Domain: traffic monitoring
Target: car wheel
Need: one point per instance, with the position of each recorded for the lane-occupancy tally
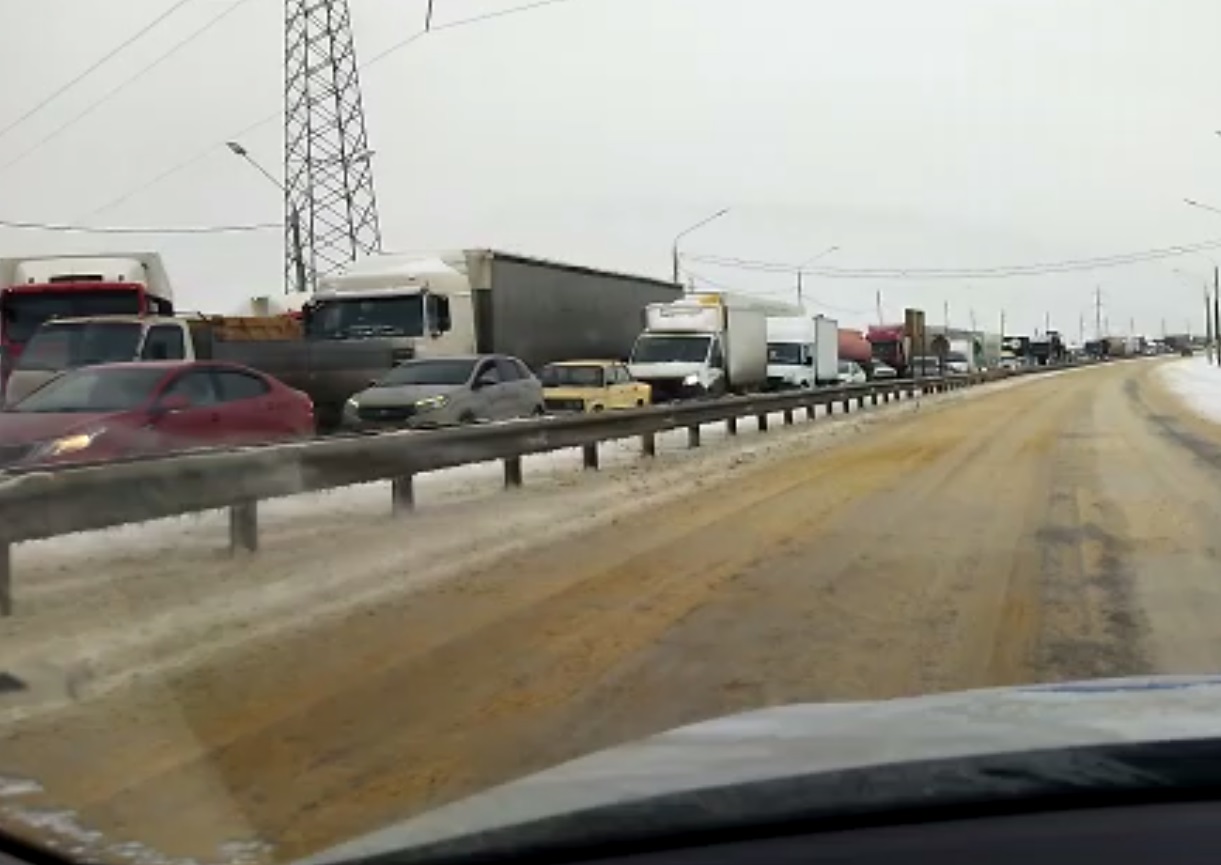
(467, 417)
(596, 408)
(539, 411)
(639, 403)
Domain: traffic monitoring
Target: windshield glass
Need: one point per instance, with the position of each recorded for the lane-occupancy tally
(93, 390)
(572, 376)
(373, 580)
(784, 352)
(671, 349)
(65, 346)
(365, 317)
(429, 372)
(22, 312)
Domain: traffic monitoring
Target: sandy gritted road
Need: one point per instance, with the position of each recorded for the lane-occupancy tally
(1059, 527)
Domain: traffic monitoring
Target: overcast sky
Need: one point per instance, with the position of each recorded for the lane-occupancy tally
(910, 133)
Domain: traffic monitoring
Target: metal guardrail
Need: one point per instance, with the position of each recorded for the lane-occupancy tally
(39, 505)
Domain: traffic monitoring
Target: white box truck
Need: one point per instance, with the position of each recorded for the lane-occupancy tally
(704, 344)
(802, 351)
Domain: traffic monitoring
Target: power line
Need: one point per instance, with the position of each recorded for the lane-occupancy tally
(184, 229)
(127, 82)
(95, 66)
(276, 115)
(994, 272)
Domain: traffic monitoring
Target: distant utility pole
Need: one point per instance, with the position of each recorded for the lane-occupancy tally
(1046, 323)
(945, 316)
(1081, 329)
(1216, 312)
(1002, 325)
(881, 316)
(1098, 313)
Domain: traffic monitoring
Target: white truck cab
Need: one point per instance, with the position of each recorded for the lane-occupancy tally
(802, 351)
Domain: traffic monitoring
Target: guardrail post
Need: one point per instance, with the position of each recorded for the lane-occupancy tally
(648, 444)
(860, 401)
(512, 472)
(6, 578)
(873, 397)
(244, 527)
(731, 426)
(811, 411)
(847, 405)
(590, 455)
(402, 494)
(788, 417)
(830, 406)
(693, 436)
(761, 420)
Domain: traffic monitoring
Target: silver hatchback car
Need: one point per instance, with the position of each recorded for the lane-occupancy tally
(447, 391)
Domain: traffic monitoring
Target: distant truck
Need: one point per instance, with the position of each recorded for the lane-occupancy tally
(889, 344)
(482, 301)
(802, 351)
(328, 372)
(1048, 349)
(34, 289)
(855, 347)
(705, 344)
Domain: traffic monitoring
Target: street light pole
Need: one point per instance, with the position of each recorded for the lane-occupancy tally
(674, 267)
(800, 269)
(294, 215)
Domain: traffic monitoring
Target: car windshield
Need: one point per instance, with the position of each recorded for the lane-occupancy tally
(784, 352)
(93, 390)
(523, 403)
(671, 349)
(72, 344)
(441, 372)
(366, 317)
(570, 375)
(22, 312)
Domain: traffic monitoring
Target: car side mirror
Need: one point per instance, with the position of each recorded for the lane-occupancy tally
(480, 384)
(809, 361)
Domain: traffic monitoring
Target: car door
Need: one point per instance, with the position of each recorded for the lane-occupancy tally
(197, 423)
(248, 412)
(487, 400)
(618, 392)
(516, 395)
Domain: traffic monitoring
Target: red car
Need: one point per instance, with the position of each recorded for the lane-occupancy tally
(127, 409)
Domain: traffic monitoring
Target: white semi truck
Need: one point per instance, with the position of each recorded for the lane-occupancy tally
(802, 351)
(481, 300)
(704, 344)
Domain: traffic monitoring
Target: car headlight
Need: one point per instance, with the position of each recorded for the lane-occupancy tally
(691, 380)
(71, 444)
(431, 402)
(352, 404)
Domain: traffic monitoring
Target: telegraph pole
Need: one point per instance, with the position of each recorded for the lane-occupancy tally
(1216, 311)
(1208, 326)
(1098, 313)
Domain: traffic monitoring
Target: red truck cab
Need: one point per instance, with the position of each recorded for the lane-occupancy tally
(35, 290)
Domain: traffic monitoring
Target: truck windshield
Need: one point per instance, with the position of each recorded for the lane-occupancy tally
(363, 317)
(93, 390)
(429, 372)
(784, 352)
(671, 349)
(24, 311)
(73, 344)
(572, 376)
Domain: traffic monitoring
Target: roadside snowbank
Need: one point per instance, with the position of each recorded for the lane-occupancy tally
(1197, 383)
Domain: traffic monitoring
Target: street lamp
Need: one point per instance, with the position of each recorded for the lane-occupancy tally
(294, 215)
(684, 233)
(801, 267)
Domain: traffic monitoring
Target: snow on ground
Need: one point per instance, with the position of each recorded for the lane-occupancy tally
(94, 610)
(1197, 383)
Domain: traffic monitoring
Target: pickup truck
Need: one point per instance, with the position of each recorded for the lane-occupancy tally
(328, 371)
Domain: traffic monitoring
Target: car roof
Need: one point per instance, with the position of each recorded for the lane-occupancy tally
(592, 362)
(173, 365)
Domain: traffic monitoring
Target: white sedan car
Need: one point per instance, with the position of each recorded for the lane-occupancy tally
(850, 372)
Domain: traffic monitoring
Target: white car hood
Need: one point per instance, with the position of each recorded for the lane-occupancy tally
(810, 738)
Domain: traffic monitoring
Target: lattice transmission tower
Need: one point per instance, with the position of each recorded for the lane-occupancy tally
(330, 208)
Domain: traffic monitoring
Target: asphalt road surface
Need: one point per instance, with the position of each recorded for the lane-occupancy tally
(1064, 528)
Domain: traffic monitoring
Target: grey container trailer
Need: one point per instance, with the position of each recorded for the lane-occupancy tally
(544, 311)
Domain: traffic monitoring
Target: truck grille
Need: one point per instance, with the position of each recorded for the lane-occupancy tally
(386, 413)
(564, 404)
(12, 454)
